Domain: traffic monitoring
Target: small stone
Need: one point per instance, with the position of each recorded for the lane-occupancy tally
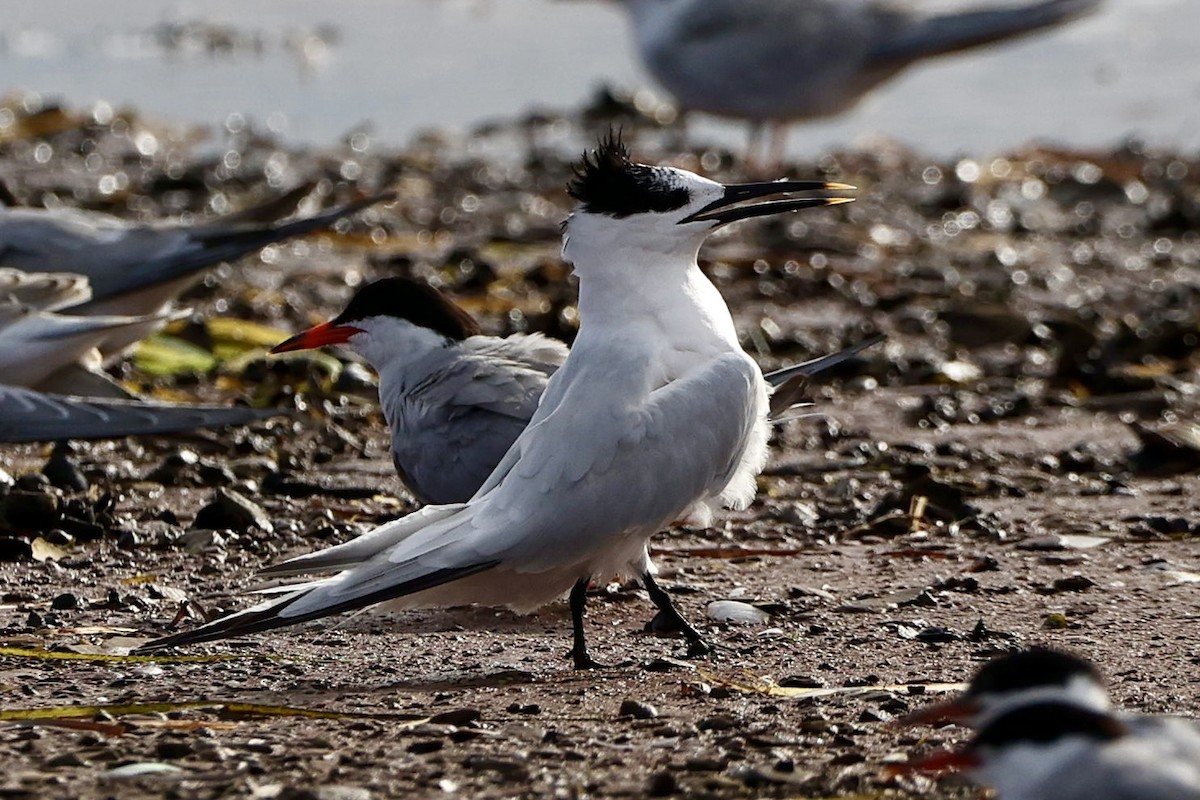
(336, 792)
(526, 708)
(63, 473)
(32, 482)
(175, 468)
(874, 715)
(667, 665)
(15, 549)
(423, 746)
(173, 749)
(58, 536)
(67, 759)
(82, 529)
(736, 612)
(457, 717)
(65, 602)
(1074, 583)
(31, 510)
(937, 635)
(718, 722)
(662, 784)
(129, 540)
(512, 770)
(230, 510)
(199, 541)
(638, 710)
(809, 591)
(1056, 622)
(802, 682)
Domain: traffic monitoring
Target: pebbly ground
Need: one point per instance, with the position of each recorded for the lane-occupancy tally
(1016, 465)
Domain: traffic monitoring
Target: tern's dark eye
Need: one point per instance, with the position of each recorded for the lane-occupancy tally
(607, 182)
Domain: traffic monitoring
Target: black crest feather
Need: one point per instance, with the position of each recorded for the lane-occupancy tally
(606, 181)
(406, 299)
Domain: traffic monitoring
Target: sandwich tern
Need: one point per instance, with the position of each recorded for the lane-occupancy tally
(656, 414)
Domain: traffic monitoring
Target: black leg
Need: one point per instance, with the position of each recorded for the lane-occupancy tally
(579, 651)
(696, 644)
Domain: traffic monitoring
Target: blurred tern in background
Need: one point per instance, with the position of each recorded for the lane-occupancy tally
(45, 345)
(456, 400)
(46, 349)
(133, 268)
(1043, 676)
(772, 62)
(1062, 751)
(29, 416)
(657, 414)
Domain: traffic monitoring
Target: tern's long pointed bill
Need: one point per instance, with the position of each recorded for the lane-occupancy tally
(317, 336)
(727, 208)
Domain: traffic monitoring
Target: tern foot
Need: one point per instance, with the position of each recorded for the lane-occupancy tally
(583, 660)
(699, 648)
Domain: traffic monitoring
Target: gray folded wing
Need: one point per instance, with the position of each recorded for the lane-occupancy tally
(906, 36)
(29, 416)
(119, 257)
(44, 291)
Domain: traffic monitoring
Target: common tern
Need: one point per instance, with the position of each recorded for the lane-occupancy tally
(1044, 676)
(1061, 751)
(779, 61)
(657, 414)
(134, 268)
(456, 400)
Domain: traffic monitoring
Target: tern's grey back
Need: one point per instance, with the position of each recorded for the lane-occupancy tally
(465, 407)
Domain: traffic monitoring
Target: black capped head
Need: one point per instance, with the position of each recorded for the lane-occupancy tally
(607, 182)
(1047, 723)
(1035, 668)
(414, 301)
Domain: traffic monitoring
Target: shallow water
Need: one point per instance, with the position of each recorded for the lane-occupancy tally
(400, 67)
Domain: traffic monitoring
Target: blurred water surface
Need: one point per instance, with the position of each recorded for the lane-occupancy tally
(314, 70)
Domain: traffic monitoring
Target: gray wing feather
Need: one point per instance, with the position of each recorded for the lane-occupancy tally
(117, 256)
(362, 548)
(904, 37)
(629, 467)
(29, 416)
(45, 291)
(449, 433)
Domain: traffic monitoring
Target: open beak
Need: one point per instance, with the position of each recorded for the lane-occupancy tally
(950, 711)
(939, 761)
(317, 336)
(728, 208)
